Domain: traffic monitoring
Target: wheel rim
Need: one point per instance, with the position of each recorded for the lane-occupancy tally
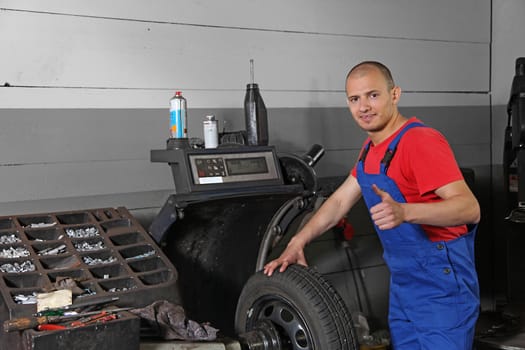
(287, 321)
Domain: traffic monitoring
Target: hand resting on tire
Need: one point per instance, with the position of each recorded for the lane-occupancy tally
(293, 254)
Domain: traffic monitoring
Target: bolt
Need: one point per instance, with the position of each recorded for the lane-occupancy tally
(7, 239)
(150, 253)
(53, 251)
(86, 246)
(12, 252)
(17, 267)
(82, 232)
(96, 261)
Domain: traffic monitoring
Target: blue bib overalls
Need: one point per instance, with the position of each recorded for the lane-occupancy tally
(434, 292)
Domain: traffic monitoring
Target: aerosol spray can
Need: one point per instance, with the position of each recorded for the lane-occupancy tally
(255, 114)
(211, 133)
(178, 117)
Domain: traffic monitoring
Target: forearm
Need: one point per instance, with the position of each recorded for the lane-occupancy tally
(454, 211)
(325, 218)
(330, 213)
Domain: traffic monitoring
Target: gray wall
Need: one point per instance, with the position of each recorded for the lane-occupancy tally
(85, 86)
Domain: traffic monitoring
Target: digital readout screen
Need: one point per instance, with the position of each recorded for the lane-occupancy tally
(244, 166)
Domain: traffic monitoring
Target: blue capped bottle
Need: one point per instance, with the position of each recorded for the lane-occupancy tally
(178, 117)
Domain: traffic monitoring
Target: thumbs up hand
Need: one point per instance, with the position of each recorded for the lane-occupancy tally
(388, 213)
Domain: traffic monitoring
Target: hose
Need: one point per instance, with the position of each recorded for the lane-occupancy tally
(273, 229)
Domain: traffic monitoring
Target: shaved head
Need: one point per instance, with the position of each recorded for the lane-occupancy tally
(366, 66)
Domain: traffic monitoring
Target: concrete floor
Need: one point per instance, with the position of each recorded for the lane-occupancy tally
(222, 344)
(503, 330)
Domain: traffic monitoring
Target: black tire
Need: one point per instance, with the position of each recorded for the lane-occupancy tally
(303, 308)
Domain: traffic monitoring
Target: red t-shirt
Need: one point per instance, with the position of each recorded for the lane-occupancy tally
(422, 163)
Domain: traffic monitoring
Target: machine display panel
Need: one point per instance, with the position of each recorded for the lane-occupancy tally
(234, 167)
(243, 166)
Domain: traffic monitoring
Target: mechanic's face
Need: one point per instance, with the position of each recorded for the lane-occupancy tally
(372, 103)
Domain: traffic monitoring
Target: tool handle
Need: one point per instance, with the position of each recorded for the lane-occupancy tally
(19, 324)
(84, 320)
(50, 327)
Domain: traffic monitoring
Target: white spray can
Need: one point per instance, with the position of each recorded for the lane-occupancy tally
(211, 133)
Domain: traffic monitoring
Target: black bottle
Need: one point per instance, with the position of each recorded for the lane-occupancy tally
(255, 114)
(256, 117)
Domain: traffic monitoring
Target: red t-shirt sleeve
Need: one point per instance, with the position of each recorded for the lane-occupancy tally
(428, 158)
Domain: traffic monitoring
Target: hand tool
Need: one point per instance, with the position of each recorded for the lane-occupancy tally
(59, 311)
(103, 317)
(22, 323)
(50, 327)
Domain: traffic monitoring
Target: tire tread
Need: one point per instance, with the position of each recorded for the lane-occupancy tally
(332, 313)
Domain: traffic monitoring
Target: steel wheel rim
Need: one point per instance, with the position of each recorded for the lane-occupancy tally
(293, 331)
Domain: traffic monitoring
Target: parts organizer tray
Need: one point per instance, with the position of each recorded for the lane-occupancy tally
(105, 251)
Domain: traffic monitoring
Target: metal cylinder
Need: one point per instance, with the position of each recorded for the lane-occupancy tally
(313, 155)
(210, 130)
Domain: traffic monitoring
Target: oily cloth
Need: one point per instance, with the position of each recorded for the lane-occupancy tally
(171, 322)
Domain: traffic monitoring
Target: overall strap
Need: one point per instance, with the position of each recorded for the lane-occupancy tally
(365, 151)
(392, 147)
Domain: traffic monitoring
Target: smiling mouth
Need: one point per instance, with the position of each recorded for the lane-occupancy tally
(366, 117)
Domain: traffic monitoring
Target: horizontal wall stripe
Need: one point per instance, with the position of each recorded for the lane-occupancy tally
(64, 136)
(346, 17)
(96, 63)
(67, 98)
(73, 153)
(137, 202)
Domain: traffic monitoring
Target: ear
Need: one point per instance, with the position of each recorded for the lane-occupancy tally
(396, 94)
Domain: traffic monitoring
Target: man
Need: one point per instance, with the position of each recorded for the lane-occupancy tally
(420, 206)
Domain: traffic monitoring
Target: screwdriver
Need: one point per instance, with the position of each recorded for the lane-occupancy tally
(103, 317)
(50, 327)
